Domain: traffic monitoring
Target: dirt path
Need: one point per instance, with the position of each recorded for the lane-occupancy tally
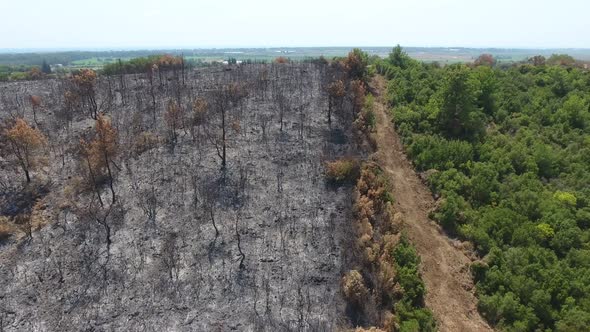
(445, 269)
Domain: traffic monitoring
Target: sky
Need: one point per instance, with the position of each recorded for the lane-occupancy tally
(130, 24)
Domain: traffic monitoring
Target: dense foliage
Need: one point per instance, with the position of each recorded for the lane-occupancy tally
(413, 316)
(508, 151)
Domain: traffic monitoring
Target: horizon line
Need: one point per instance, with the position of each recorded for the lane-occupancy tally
(158, 48)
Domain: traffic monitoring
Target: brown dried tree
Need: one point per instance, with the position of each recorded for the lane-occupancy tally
(485, 60)
(35, 104)
(336, 93)
(174, 119)
(85, 81)
(24, 143)
(100, 153)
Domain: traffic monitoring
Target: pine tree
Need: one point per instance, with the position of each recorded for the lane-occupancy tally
(45, 68)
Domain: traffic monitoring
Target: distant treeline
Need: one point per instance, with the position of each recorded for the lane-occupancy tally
(68, 57)
(144, 64)
(153, 63)
(24, 72)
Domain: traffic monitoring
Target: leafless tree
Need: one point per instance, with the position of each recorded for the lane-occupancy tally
(149, 203)
(241, 253)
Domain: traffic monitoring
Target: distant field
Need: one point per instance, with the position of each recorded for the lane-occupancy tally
(97, 59)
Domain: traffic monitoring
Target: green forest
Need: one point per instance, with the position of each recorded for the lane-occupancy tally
(507, 150)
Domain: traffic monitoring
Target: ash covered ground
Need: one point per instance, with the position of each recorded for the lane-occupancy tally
(153, 260)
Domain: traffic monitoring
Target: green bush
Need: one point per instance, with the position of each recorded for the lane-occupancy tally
(410, 310)
(434, 152)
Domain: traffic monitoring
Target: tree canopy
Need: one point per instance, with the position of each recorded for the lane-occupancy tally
(507, 150)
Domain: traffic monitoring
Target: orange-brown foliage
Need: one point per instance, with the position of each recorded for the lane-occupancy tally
(24, 143)
(6, 227)
(85, 80)
(35, 101)
(485, 60)
(282, 59)
(35, 73)
(173, 116)
(145, 141)
(103, 147)
(337, 89)
(353, 287)
(168, 61)
(200, 107)
(342, 170)
(358, 90)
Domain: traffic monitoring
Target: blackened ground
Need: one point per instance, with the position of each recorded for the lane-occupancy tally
(153, 261)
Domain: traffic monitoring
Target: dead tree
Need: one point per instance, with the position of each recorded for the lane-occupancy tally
(224, 98)
(85, 151)
(71, 103)
(198, 117)
(106, 145)
(264, 120)
(281, 105)
(99, 153)
(242, 255)
(35, 104)
(85, 82)
(150, 73)
(102, 220)
(170, 256)
(149, 204)
(24, 142)
(173, 118)
(220, 104)
(336, 93)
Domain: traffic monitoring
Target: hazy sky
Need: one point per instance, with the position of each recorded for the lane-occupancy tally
(235, 23)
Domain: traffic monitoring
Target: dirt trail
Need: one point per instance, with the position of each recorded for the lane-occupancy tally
(445, 269)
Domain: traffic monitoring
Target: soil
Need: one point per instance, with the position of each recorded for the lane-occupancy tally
(445, 268)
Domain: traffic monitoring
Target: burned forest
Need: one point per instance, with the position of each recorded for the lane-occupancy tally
(176, 199)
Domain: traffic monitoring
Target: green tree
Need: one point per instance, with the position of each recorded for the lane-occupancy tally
(574, 112)
(486, 98)
(45, 68)
(460, 117)
(399, 58)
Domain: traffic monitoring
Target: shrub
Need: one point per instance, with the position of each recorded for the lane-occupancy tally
(450, 212)
(370, 329)
(353, 287)
(356, 65)
(6, 228)
(145, 141)
(413, 319)
(200, 107)
(342, 170)
(369, 117)
(357, 91)
(436, 152)
(282, 59)
(407, 262)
